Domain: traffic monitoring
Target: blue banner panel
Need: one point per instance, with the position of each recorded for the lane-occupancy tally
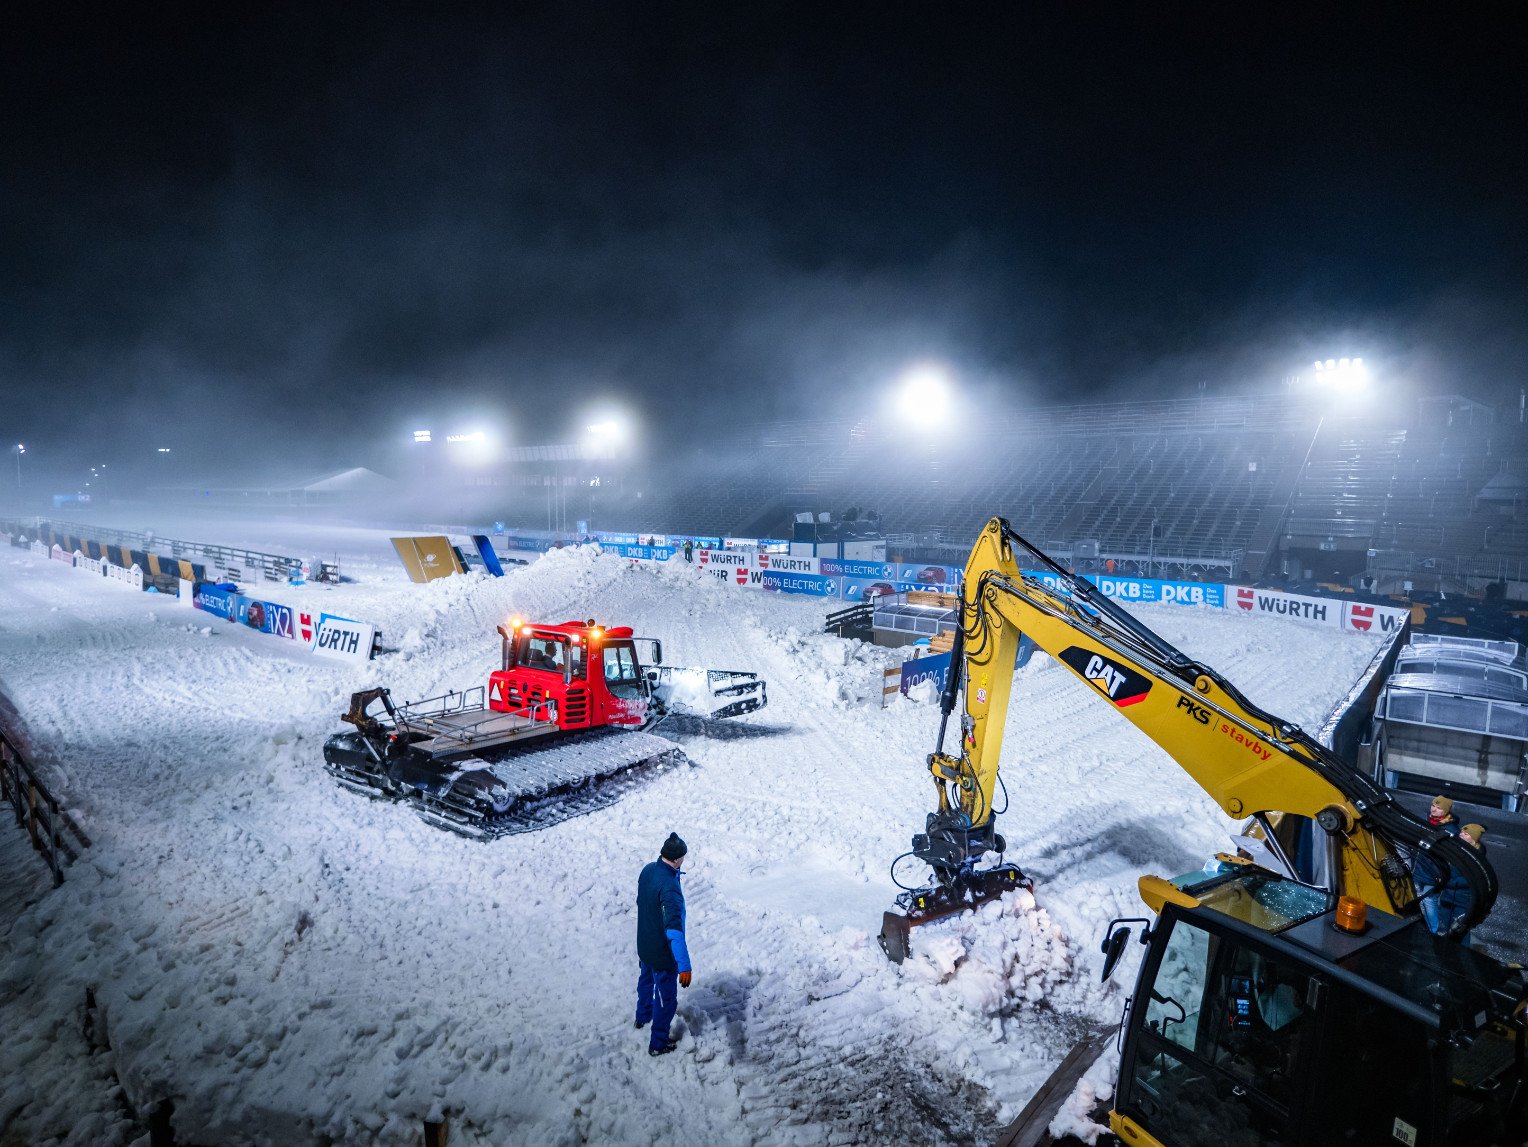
(278, 620)
(935, 668)
(843, 567)
(943, 578)
(218, 602)
(266, 616)
(1145, 589)
(857, 589)
(814, 584)
(485, 551)
(640, 553)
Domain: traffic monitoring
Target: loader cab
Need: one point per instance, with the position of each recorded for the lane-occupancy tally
(1256, 1021)
(582, 674)
(625, 696)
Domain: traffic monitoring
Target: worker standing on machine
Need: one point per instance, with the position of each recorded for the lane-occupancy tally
(660, 944)
(1454, 900)
(1425, 873)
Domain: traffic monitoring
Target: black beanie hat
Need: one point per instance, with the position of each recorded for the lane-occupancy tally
(673, 847)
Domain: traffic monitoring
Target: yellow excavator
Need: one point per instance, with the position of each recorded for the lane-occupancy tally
(1295, 998)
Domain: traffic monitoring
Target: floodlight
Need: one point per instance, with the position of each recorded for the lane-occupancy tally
(1347, 375)
(924, 396)
(421, 436)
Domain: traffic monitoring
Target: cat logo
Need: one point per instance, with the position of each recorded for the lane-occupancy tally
(1121, 684)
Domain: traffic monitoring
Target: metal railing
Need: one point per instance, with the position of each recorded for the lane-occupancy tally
(53, 831)
(1428, 571)
(225, 559)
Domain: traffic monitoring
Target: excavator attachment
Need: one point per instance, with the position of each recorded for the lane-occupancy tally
(937, 901)
(710, 694)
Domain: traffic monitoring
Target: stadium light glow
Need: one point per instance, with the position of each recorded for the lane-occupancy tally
(473, 446)
(924, 395)
(1342, 374)
(608, 430)
(421, 436)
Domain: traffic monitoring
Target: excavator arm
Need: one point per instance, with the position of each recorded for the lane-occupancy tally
(1250, 762)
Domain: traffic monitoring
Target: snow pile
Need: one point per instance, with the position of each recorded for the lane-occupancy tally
(290, 963)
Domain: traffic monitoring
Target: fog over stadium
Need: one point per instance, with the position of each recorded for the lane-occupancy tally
(454, 461)
(282, 239)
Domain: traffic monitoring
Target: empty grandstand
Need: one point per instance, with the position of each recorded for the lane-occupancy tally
(1428, 498)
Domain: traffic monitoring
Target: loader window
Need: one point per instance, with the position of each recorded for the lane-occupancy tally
(1222, 1027)
(543, 653)
(621, 675)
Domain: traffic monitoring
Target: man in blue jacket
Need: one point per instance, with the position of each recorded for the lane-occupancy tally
(660, 944)
(1427, 877)
(1455, 900)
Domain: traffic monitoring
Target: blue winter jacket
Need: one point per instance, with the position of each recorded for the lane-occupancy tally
(1426, 874)
(1455, 901)
(660, 919)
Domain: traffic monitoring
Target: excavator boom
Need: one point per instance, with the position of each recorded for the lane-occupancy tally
(1250, 762)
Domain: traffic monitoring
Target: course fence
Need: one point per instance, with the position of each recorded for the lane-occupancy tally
(53, 831)
(191, 560)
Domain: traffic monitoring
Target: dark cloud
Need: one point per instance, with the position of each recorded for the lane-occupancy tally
(318, 221)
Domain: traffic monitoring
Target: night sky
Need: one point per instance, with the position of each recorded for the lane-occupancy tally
(300, 232)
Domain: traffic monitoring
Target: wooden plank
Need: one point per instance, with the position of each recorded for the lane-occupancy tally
(1032, 1127)
(931, 598)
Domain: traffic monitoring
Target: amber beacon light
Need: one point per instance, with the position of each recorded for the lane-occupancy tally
(1352, 914)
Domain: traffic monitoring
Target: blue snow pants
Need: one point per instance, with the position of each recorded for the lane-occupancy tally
(657, 997)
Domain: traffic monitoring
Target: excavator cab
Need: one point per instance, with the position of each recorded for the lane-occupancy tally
(1256, 1021)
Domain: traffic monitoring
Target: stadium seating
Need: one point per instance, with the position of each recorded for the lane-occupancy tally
(1215, 480)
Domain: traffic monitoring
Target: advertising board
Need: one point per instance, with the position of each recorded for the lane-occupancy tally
(843, 567)
(935, 668)
(1349, 616)
(342, 639)
(218, 602)
(814, 584)
(1147, 589)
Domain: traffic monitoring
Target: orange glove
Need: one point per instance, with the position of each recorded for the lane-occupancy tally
(684, 979)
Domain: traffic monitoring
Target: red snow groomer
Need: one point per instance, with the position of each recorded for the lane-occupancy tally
(564, 721)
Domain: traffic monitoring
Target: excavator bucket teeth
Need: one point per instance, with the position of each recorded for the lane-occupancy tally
(896, 932)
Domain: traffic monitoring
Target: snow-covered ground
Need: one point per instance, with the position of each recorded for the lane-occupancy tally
(290, 963)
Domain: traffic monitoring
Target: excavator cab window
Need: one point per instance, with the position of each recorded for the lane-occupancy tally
(1218, 1058)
